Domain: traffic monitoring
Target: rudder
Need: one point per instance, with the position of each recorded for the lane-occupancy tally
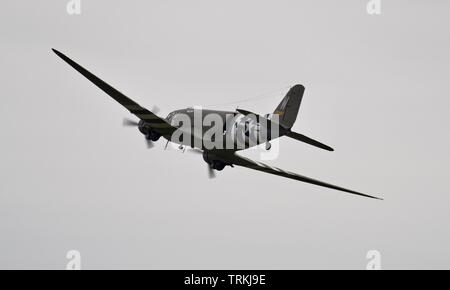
(287, 110)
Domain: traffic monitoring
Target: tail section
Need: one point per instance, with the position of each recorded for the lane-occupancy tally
(307, 140)
(287, 110)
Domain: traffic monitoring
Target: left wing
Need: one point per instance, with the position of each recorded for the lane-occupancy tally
(235, 159)
(158, 124)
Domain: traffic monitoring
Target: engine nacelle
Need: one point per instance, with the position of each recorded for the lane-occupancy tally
(213, 161)
(143, 128)
(149, 133)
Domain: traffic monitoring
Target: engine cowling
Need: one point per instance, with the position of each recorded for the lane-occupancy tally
(149, 133)
(152, 135)
(213, 161)
(143, 128)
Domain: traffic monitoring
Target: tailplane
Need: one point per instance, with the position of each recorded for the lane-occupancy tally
(287, 112)
(307, 140)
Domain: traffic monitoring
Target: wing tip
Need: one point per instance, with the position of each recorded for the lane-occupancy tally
(58, 53)
(358, 193)
(373, 197)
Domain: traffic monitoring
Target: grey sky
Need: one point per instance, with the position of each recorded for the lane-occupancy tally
(377, 91)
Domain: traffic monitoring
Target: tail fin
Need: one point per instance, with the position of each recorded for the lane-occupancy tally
(287, 110)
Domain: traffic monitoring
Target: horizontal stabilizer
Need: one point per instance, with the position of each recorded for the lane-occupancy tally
(305, 139)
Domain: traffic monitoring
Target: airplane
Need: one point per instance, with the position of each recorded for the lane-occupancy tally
(154, 127)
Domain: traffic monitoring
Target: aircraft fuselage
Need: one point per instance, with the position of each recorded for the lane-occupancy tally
(222, 130)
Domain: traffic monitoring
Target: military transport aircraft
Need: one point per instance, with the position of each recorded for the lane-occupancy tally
(218, 157)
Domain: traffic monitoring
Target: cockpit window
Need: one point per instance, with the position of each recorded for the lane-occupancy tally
(170, 116)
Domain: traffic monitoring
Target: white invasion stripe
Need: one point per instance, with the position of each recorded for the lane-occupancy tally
(279, 170)
(266, 166)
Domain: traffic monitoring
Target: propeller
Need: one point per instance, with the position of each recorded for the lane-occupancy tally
(132, 123)
(129, 123)
(150, 143)
(155, 110)
(211, 171)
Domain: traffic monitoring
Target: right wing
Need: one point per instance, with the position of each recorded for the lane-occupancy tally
(158, 124)
(233, 158)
